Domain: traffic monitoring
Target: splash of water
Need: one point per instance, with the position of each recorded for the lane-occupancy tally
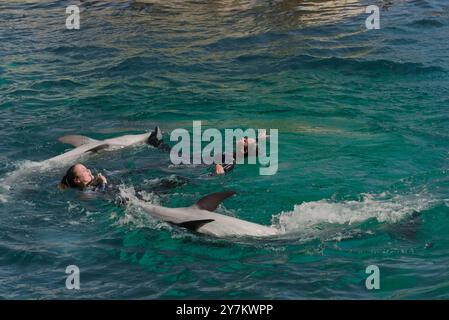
(308, 216)
(134, 216)
(22, 170)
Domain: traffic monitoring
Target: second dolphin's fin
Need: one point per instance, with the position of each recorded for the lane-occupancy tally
(194, 224)
(98, 148)
(213, 200)
(76, 140)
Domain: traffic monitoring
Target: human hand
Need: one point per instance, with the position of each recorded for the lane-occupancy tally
(100, 179)
(219, 169)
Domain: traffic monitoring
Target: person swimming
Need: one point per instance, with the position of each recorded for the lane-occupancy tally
(80, 177)
(157, 141)
(243, 146)
(222, 168)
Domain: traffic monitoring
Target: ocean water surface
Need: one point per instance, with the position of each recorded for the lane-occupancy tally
(363, 120)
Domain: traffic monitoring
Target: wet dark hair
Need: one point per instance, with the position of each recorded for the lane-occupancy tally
(69, 179)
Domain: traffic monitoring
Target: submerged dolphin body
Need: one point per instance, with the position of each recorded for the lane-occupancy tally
(201, 218)
(84, 146)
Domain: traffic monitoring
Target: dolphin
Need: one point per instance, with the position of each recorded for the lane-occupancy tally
(84, 146)
(201, 218)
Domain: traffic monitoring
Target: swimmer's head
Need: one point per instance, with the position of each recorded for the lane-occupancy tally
(77, 176)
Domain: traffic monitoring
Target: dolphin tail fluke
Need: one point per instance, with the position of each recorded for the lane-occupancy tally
(194, 225)
(213, 200)
(76, 140)
(155, 138)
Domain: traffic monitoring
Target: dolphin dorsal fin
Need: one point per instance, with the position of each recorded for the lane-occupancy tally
(213, 200)
(98, 148)
(194, 224)
(76, 140)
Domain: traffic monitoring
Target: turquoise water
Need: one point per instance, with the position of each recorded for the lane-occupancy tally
(363, 146)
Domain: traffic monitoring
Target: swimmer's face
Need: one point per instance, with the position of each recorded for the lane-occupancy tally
(83, 176)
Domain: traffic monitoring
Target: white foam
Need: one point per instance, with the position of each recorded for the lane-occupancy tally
(3, 198)
(307, 216)
(23, 169)
(134, 216)
(311, 219)
(129, 193)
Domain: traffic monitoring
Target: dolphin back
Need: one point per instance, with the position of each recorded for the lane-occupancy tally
(196, 218)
